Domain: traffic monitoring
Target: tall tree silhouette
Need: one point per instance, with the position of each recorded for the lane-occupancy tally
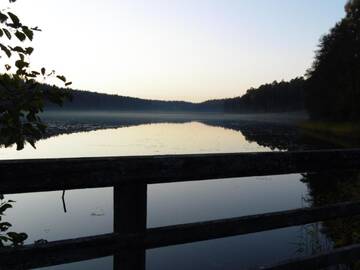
(333, 87)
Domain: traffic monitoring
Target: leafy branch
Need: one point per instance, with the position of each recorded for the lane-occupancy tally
(22, 97)
(9, 238)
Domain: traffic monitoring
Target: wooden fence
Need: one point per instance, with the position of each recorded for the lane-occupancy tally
(130, 176)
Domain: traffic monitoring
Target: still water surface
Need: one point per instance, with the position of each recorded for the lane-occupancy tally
(90, 212)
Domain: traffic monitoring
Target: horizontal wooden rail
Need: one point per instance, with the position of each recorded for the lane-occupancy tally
(18, 176)
(334, 257)
(66, 251)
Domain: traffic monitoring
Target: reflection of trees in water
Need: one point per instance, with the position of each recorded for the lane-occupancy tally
(276, 136)
(335, 187)
(311, 240)
(324, 188)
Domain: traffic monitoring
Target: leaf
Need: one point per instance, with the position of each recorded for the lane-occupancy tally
(21, 72)
(15, 19)
(3, 17)
(12, 234)
(68, 83)
(17, 237)
(61, 78)
(4, 207)
(7, 67)
(20, 64)
(32, 143)
(1, 33)
(43, 71)
(21, 36)
(51, 73)
(36, 28)
(6, 50)
(7, 33)
(4, 238)
(5, 226)
(18, 49)
(29, 33)
(29, 50)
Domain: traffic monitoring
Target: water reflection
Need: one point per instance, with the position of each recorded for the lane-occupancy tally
(328, 188)
(211, 136)
(276, 135)
(80, 213)
(271, 133)
(150, 139)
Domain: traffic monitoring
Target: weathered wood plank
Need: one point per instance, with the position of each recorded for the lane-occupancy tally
(60, 252)
(331, 258)
(200, 231)
(59, 174)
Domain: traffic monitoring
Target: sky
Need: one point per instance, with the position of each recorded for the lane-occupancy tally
(191, 50)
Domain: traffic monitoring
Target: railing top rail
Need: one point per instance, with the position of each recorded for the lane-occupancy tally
(165, 156)
(56, 174)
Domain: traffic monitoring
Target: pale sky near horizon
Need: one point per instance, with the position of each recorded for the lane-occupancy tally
(190, 50)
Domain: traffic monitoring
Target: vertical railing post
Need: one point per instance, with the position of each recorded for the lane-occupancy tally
(130, 207)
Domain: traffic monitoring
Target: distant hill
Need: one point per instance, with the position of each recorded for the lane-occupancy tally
(275, 97)
(85, 100)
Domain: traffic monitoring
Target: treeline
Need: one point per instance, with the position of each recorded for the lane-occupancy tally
(333, 89)
(90, 101)
(275, 97)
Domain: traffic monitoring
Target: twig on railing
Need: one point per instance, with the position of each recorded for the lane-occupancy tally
(63, 200)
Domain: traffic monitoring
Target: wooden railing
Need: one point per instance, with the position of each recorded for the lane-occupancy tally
(130, 176)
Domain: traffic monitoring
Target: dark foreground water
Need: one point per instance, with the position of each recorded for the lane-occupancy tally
(90, 212)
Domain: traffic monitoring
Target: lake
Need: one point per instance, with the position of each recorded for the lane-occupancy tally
(89, 212)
